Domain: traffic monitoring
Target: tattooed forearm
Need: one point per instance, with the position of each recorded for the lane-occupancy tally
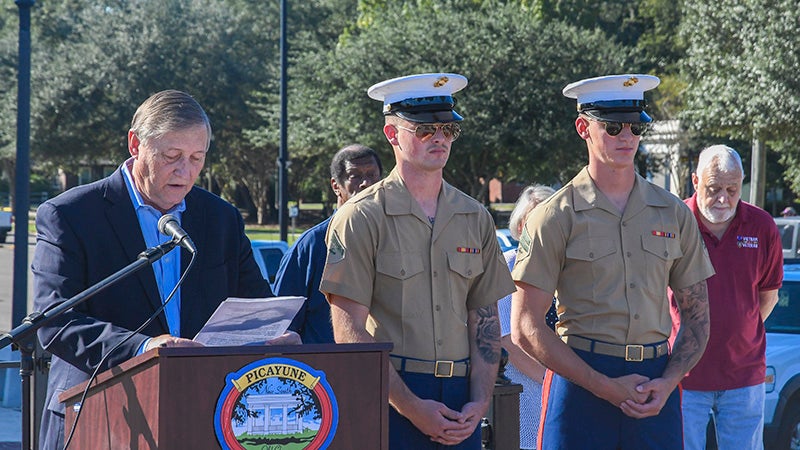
(693, 334)
(487, 334)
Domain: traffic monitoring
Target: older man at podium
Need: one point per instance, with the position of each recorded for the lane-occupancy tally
(89, 232)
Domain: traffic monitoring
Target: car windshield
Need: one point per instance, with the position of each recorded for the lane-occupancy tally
(785, 318)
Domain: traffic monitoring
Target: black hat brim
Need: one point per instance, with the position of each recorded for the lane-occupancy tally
(430, 116)
(619, 116)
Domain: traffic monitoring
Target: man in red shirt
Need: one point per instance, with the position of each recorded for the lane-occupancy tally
(745, 248)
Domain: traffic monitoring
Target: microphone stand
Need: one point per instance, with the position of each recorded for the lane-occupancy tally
(19, 336)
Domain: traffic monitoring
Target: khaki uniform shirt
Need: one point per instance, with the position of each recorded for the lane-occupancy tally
(610, 271)
(417, 279)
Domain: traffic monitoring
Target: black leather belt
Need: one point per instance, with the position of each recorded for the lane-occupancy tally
(631, 352)
(440, 368)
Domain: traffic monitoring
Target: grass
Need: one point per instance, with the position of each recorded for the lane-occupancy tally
(283, 441)
(272, 233)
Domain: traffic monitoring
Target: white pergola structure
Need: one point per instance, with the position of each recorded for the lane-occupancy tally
(664, 141)
(284, 422)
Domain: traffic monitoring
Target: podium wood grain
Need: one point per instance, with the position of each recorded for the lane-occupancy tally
(166, 398)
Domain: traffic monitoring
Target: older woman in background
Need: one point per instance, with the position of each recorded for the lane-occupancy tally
(521, 368)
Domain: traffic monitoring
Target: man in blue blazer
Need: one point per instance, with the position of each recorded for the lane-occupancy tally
(89, 232)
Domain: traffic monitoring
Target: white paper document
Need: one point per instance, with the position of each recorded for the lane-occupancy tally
(249, 321)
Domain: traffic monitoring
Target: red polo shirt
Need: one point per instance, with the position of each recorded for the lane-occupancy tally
(747, 259)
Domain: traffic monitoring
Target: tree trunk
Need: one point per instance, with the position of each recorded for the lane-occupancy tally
(263, 212)
(758, 171)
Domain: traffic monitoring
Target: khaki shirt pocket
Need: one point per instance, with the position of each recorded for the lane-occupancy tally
(397, 265)
(464, 267)
(401, 286)
(663, 248)
(590, 250)
(660, 254)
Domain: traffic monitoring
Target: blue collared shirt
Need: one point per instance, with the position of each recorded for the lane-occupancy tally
(167, 269)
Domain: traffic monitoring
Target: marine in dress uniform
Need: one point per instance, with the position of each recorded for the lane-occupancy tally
(610, 243)
(425, 278)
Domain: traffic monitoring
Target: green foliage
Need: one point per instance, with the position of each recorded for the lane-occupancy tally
(741, 74)
(741, 67)
(517, 123)
(94, 62)
(313, 30)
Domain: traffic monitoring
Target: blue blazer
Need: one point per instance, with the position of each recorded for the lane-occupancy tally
(91, 231)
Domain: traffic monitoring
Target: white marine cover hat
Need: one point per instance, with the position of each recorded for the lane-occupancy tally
(613, 98)
(426, 97)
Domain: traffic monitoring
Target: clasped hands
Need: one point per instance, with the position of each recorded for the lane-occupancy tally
(638, 396)
(444, 425)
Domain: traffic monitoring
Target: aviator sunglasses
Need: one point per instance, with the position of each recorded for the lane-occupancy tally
(615, 128)
(451, 130)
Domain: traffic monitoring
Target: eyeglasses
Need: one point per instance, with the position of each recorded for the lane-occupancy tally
(451, 130)
(615, 128)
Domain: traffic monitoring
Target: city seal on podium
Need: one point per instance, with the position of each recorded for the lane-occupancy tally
(276, 403)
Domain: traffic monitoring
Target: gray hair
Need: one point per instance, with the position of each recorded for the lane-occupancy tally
(720, 158)
(530, 197)
(168, 111)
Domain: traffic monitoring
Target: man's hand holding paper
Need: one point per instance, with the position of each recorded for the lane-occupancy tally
(251, 321)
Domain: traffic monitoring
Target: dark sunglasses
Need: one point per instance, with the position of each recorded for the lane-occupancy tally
(615, 128)
(451, 130)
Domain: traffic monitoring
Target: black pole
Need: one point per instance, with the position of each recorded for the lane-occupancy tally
(19, 304)
(283, 157)
(22, 185)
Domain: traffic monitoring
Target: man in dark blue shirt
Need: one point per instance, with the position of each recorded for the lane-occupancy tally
(353, 168)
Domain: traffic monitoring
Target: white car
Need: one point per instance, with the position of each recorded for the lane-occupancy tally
(789, 227)
(782, 384)
(268, 256)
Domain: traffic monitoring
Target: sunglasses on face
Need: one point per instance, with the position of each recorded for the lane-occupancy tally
(615, 128)
(451, 130)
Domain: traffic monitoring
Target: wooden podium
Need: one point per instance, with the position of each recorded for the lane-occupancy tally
(167, 398)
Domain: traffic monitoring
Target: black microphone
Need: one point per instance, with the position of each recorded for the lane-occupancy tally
(168, 226)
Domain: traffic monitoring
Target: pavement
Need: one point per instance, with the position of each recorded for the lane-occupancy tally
(10, 429)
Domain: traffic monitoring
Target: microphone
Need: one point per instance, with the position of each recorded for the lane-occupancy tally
(168, 226)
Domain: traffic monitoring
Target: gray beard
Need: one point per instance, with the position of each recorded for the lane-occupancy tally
(717, 217)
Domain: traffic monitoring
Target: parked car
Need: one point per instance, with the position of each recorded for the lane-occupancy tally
(505, 240)
(5, 224)
(789, 228)
(782, 384)
(268, 255)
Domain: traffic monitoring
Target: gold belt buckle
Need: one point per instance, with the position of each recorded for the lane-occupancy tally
(634, 352)
(445, 372)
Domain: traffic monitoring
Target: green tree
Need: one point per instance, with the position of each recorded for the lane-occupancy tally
(741, 72)
(8, 91)
(93, 63)
(313, 31)
(517, 124)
